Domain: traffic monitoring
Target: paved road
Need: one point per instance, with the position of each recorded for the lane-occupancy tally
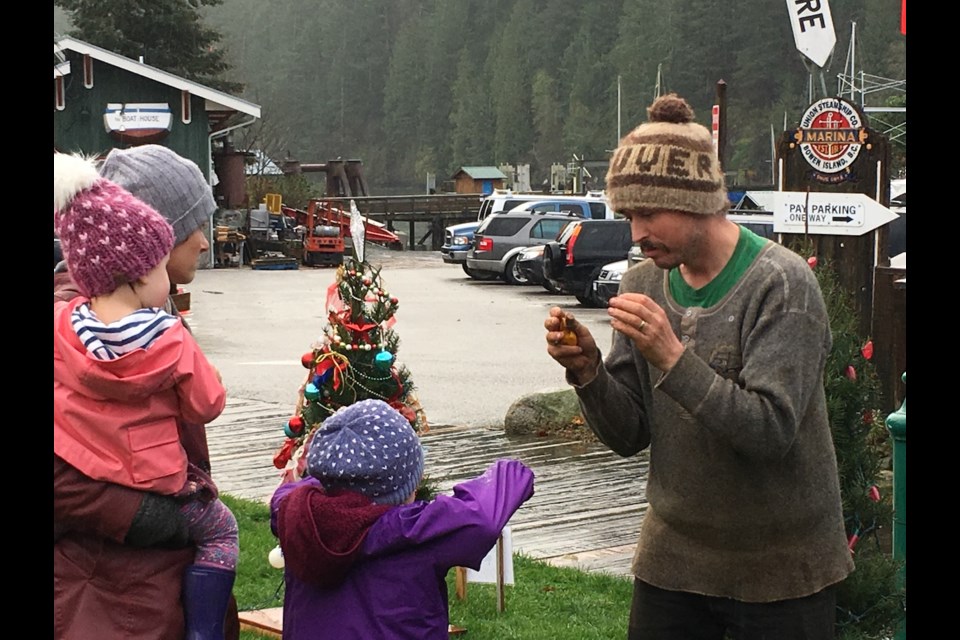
(472, 347)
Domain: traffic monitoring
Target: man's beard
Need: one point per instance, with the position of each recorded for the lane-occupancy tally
(670, 258)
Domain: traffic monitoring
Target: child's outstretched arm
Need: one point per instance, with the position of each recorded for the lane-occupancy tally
(470, 521)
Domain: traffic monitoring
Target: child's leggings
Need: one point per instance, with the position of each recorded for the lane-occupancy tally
(214, 530)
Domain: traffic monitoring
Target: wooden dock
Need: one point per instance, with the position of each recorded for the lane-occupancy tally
(585, 513)
(429, 212)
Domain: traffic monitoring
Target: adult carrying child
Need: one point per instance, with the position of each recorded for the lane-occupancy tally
(127, 373)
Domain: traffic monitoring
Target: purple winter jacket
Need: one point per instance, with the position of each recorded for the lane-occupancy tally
(396, 589)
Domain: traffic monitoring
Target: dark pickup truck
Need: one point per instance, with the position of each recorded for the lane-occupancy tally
(573, 261)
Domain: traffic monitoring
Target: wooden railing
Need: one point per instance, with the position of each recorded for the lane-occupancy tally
(435, 210)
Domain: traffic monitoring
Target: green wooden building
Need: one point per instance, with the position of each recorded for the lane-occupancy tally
(102, 100)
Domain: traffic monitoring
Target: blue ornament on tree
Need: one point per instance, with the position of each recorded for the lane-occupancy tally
(311, 392)
(383, 360)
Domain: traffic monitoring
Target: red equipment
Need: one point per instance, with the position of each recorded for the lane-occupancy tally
(326, 226)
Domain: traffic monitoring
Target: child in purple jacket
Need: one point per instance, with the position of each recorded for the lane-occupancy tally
(362, 558)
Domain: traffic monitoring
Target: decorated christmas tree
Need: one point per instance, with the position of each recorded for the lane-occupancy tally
(870, 602)
(354, 359)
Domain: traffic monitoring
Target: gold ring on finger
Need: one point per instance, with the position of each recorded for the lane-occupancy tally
(642, 324)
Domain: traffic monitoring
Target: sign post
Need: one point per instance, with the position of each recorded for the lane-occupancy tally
(715, 128)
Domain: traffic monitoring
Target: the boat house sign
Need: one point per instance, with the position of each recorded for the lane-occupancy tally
(143, 122)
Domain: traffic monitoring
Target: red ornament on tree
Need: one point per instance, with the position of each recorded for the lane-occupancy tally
(812, 261)
(867, 350)
(294, 428)
(851, 372)
(307, 360)
(874, 493)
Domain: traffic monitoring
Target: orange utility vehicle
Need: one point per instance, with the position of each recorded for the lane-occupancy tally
(325, 226)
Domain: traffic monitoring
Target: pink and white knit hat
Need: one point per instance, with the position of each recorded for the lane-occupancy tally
(108, 236)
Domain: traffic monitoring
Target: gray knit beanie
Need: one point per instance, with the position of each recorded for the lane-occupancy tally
(171, 184)
(370, 448)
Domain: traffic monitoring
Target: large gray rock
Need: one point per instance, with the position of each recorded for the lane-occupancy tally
(539, 413)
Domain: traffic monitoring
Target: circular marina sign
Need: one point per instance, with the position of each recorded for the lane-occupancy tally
(830, 135)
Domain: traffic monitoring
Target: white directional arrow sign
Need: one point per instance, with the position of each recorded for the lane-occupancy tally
(835, 214)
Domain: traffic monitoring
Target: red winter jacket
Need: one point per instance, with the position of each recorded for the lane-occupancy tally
(116, 420)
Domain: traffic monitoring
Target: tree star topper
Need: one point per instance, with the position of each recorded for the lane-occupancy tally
(356, 231)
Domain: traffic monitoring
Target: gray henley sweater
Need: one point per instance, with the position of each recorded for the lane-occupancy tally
(743, 491)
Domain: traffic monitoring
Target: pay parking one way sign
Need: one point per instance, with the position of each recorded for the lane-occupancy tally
(836, 214)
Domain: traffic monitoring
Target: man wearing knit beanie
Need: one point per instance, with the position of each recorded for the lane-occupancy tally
(716, 365)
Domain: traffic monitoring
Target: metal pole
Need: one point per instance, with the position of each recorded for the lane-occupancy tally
(773, 156)
(501, 603)
(897, 425)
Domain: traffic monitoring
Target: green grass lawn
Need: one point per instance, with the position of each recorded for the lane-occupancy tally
(546, 602)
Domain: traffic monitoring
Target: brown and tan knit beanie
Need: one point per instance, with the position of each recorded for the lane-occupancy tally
(667, 163)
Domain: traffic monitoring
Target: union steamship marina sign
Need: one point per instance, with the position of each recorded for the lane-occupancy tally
(830, 136)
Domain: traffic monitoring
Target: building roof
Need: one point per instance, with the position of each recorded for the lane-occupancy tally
(219, 105)
(481, 173)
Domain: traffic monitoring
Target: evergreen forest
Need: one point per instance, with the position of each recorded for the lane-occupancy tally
(417, 87)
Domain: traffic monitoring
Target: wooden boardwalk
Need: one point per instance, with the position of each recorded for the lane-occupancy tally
(585, 512)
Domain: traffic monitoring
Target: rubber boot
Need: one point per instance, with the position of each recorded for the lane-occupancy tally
(206, 595)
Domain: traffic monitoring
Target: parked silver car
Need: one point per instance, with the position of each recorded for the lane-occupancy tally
(607, 283)
(502, 236)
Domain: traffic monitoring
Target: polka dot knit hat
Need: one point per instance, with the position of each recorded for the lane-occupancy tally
(369, 448)
(109, 237)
